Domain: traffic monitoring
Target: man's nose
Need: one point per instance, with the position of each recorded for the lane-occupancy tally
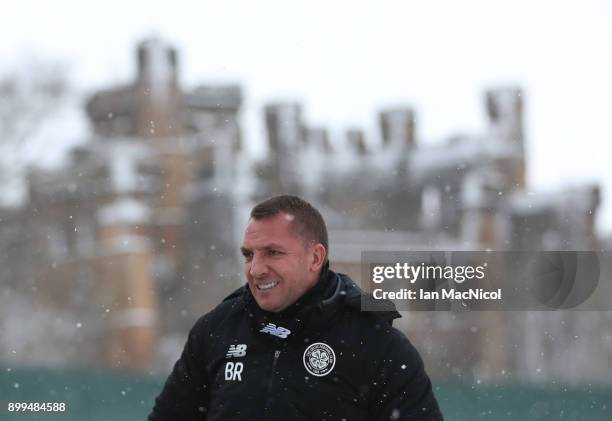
(258, 267)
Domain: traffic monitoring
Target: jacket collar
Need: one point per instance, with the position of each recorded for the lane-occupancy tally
(298, 318)
(312, 312)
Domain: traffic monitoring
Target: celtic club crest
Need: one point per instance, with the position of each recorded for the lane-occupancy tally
(319, 359)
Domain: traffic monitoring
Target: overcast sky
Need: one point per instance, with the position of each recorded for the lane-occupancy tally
(346, 59)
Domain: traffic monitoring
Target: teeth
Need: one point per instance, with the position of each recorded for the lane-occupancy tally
(267, 286)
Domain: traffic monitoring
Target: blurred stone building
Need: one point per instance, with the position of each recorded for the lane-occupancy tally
(103, 239)
(138, 235)
(468, 193)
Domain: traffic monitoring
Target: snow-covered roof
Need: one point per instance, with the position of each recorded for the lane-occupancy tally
(214, 97)
(461, 153)
(347, 245)
(584, 198)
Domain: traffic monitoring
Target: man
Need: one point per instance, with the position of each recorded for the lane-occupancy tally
(293, 343)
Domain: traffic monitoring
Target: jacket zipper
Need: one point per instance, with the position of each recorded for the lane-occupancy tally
(271, 382)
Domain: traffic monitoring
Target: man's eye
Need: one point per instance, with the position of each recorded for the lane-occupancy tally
(247, 255)
(274, 253)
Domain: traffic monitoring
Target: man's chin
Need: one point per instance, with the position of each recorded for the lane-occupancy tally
(267, 306)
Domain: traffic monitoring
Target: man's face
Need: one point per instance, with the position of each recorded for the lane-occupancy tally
(279, 265)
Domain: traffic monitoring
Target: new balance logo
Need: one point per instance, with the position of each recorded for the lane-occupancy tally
(279, 331)
(236, 351)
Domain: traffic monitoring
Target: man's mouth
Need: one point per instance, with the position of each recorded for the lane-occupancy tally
(269, 285)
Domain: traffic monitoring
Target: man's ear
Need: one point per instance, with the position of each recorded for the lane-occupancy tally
(318, 257)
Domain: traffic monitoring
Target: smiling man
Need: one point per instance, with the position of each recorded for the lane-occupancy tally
(293, 344)
(283, 257)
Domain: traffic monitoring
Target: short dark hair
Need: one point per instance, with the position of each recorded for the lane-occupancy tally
(308, 222)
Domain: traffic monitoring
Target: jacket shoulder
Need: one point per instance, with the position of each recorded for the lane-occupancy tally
(355, 299)
(376, 327)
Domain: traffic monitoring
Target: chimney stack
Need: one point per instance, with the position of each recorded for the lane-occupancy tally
(285, 127)
(505, 113)
(397, 126)
(318, 138)
(356, 140)
(157, 63)
(504, 108)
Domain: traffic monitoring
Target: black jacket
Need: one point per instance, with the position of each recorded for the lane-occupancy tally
(320, 359)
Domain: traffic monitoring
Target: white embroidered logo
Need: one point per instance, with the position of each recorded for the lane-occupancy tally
(319, 359)
(236, 351)
(279, 331)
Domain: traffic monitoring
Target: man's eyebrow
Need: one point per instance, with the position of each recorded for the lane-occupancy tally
(273, 246)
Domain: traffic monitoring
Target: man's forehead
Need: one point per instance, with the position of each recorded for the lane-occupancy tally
(279, 225)
(278, 221)
(279, 217)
